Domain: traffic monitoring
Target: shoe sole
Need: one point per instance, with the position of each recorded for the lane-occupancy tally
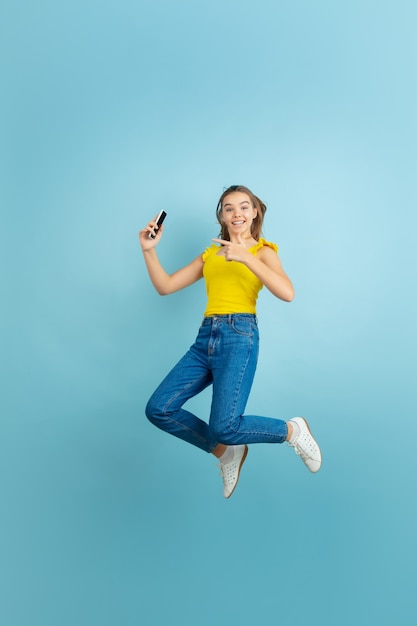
(245, 454)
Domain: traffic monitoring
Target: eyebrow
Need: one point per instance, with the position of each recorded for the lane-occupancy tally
(230, 204)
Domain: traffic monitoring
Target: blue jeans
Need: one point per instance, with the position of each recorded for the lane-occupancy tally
(224, 355)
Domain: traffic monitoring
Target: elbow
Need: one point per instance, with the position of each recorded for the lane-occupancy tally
(165, 289)
(289, 295)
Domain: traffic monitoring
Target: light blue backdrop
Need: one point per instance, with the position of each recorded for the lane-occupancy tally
(111, 111)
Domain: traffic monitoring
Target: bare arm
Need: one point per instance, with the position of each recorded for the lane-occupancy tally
(163, 282)
(266, 266)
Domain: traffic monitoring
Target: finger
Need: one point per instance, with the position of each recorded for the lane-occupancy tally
(150, 229)
(154, 228)
(222, 241)
(146, 232)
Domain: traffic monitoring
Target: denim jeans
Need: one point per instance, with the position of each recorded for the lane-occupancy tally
(224, 355)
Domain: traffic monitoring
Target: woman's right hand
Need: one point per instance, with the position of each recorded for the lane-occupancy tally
(146, 242)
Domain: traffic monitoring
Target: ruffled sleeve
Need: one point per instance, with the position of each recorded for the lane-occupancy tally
(261, 243)
(208, 251)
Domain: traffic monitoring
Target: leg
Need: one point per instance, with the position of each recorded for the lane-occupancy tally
(234, 362)
(188, 378)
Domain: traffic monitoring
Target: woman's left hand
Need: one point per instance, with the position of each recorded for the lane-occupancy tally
(234, 251)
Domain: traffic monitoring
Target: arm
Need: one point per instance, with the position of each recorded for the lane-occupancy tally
(163, 282)
(266, 266)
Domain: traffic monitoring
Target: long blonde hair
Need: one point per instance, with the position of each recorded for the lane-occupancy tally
(256, 229)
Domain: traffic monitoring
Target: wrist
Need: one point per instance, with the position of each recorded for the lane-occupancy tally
(247, 258)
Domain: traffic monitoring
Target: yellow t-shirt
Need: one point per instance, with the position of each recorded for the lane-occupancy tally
(231, 287)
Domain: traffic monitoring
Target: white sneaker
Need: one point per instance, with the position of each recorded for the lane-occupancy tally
(306, 446)
(230, 471)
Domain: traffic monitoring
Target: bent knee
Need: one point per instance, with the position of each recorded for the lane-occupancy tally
(226, 436)
(153, 411)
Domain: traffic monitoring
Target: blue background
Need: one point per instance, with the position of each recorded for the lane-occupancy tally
(111, 111)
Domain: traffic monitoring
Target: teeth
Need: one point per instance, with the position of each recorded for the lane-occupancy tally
(237, 223)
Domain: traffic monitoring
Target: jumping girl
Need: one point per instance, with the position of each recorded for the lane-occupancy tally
(225, 351)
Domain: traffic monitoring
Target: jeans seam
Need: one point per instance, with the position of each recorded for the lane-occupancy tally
(186, 428)
(238, 332)
(238, 386)
(176, 395)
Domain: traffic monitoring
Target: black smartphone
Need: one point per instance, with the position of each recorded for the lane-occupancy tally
(162, 215)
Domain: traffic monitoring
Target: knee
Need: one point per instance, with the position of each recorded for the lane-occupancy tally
(226, 436)
(153, 411)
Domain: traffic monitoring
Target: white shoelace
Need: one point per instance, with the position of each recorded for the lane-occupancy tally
(302, 451)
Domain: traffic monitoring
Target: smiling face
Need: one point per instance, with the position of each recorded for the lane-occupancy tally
(237, 214)
(242, 197)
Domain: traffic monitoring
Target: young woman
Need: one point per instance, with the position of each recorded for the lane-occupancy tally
(225, 351)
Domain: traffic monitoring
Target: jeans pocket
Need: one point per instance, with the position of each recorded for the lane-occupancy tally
(243, 327)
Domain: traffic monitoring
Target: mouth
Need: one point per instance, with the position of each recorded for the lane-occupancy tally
(238, 223)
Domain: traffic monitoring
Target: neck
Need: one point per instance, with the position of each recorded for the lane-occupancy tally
(246, 239)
